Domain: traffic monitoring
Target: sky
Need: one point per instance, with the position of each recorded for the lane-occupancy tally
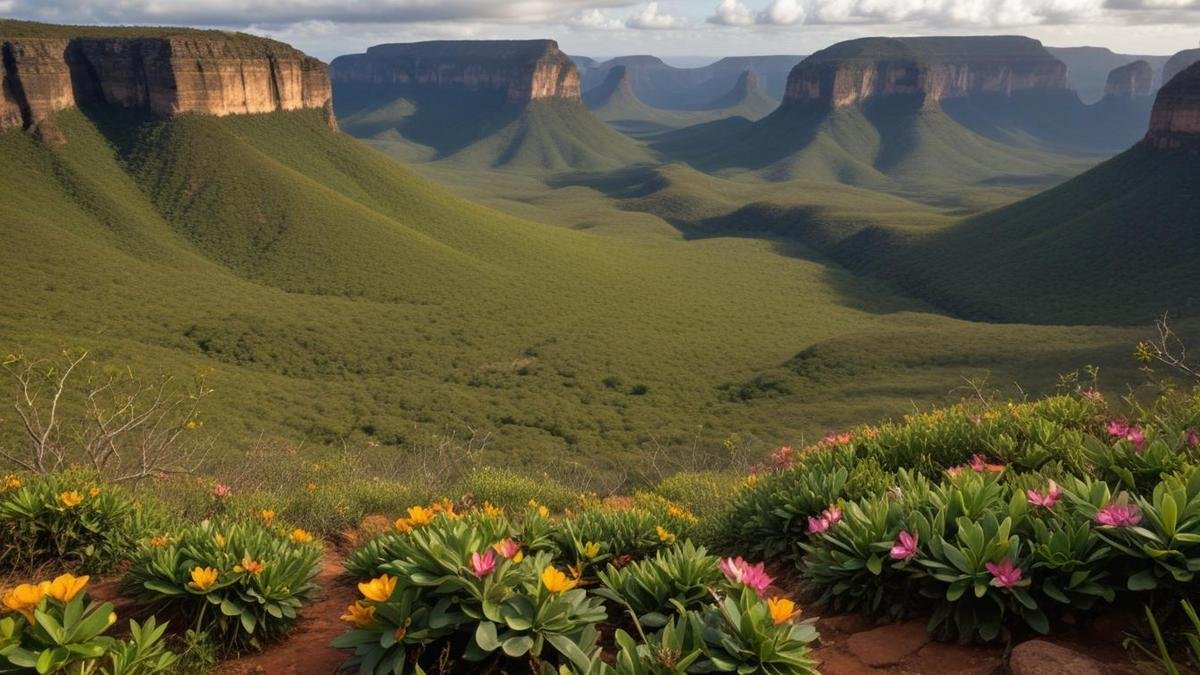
(672, 29)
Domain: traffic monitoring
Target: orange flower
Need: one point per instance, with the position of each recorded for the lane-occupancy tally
(556, 581)
(664, 536)
(94, 492)
(25, 598)
(491, 511)
(65, 587)
(267, 516)
(782, 610)
(419, 516)
(405, 525)
(71, 499)
(378, 589)
(248, 566)
(159, 542)
(300, 536)
(359, 615)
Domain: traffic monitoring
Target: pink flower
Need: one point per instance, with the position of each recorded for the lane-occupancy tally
(905, 546)
(817, 525)
(739, 571)
(1193, 438)
(483, 565)
(978, 464)
(833, 514)
(782, 457)
(507, 548)
(221, 491)
(954, 471)
(1092, 395)
(1119, 515)
(1048, 500)
(1137, 437)
(1004, 575)
(1118, 428)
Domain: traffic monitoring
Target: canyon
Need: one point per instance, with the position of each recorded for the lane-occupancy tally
(198, 72)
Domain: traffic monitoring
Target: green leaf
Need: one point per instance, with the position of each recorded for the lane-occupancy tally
(485, 636)
(1143, 581)
(517, 646)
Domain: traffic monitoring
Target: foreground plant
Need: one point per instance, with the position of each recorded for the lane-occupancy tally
(240, 582)
(52, 626)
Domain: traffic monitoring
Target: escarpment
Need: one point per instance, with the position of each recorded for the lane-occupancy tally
(1175, 119)
(192, 72)
(523, 70)
(1178, 63)
(930, 69)
(1130, 80)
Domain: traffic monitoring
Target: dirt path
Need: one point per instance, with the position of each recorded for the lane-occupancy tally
(306, 651)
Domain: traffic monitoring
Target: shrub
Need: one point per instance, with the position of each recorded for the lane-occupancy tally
(456, 581)
(509, 489)
(704, 494)
(675, 580)
(54, 627)
(70, 519)
(240, 582)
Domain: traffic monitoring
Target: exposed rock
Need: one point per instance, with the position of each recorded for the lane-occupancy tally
(524, 70)
(927, 69)
(1179, 63)
(1039, 657)
(888, 645)
(201, 72)
(1130, 80)
(1175, 120)
(954, 659)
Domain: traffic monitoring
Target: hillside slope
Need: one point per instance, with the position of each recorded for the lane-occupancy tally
(1115, 245)
(615, 102)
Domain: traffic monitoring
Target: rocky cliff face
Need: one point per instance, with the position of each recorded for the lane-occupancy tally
(1179, 63)
(204, 73)
(1175, 120)
(1130, 80)
(524, 70)
(933, 69)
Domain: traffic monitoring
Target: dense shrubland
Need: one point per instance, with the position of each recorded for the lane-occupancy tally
(993, 519)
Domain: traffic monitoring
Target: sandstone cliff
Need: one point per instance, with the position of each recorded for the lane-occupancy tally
(929, 69)
(203, 72)
(1175, 120)
(1130, 80)
(524, 70)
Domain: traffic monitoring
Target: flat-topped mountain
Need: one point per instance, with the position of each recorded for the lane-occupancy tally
(166, 71)
(484, 103)
(1175, 120)
(1088, 68)
(524, 70)
(615, 101)
(933, 69)
(1130, 80)
(666, 87)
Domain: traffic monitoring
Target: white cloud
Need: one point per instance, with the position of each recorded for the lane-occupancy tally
(732, 13)
(650, 18)
(243, 12)
(782, 13)
(594, 19)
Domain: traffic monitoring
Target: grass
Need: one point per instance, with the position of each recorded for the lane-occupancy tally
(341, 298)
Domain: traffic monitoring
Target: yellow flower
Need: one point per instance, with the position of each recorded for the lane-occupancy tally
(191, 424)
(557, 582)
(419, 515)
(219, 540)
(404, 525)
(491, 511)
(782, 610)
(543, 512)
(11, 482)
(71, 499)
(378, 589)
(359, 614)
(664, 535)
(267, 516)
(65, 587)
(312, 487)
(591, 549)
(203, 577)
(682, 514)
(300, 536)
(94, 492)
(752, 481)
(533, 503)
(159, 542)
(248, 566)
(25, 597)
